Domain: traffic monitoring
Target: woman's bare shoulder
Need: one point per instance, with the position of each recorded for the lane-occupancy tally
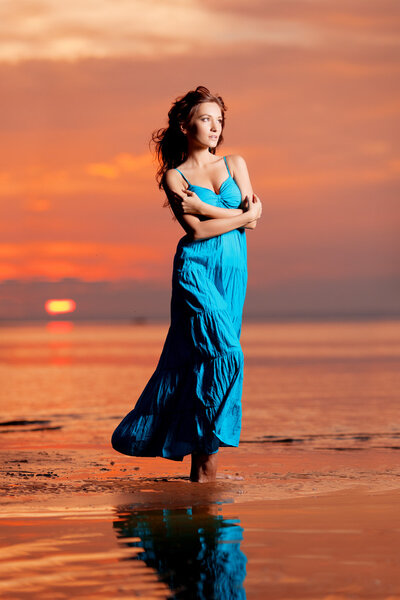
(171, 173)
(237, 163)
(236, 159)
(171, 176)
(174, 180)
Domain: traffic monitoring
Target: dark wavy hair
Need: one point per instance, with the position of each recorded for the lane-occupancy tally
(170, 142)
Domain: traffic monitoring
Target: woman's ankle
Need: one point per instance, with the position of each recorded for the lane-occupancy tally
(204, 467)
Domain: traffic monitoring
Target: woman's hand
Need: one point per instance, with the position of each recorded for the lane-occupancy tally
(191, 203)
(252, 209)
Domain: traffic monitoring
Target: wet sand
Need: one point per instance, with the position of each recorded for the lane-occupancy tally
(306, 507)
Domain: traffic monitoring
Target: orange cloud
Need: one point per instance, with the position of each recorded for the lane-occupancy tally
(37, 205)
(69, 31)
(86, 260)
(122, 164)
(39, 179)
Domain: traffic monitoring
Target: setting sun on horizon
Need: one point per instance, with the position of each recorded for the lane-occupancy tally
(56, 307)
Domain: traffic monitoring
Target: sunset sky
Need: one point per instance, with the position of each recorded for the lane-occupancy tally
(313, 95)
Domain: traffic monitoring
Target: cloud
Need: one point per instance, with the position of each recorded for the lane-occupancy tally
(37, 179)
(37, 205)
(121, 164)
(150, 29)
(90, 261)
(55, 30)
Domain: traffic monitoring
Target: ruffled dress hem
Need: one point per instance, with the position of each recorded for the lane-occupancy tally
(196, 408)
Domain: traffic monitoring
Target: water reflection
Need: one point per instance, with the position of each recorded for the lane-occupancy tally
(194, 550)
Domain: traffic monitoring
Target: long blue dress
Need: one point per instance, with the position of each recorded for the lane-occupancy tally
(192, 402)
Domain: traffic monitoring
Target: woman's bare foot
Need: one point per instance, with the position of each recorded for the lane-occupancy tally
(204, 467)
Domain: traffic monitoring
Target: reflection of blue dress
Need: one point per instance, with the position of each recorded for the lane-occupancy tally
(192, 402)
(196, 553)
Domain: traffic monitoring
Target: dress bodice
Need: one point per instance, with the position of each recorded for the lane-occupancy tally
(229, 195)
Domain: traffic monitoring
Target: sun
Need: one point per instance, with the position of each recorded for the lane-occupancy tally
(59, 306)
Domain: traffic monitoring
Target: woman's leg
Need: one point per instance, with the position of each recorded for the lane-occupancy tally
(204, 467)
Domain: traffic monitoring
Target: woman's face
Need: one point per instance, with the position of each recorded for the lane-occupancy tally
(206, 125)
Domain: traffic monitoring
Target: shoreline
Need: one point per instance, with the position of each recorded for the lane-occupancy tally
(39, 476)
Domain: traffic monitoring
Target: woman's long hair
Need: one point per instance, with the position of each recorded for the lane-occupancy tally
(170, 142)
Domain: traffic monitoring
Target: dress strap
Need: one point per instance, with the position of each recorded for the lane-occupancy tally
(182, 175)
(226, 162)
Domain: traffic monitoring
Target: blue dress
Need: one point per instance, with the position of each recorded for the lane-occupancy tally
(192, 402)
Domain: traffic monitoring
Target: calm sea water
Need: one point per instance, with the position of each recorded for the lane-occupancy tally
(304, 380)
(313, 392)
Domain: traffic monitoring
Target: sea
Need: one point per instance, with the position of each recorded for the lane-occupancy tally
(321, 420)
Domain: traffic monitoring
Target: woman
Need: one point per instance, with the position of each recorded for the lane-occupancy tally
(192, 402)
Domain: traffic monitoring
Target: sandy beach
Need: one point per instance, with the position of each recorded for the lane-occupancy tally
(306, 507)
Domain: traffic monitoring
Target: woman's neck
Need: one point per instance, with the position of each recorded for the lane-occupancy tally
(198, 157)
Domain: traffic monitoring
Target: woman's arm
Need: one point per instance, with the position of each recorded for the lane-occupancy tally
(213, 227)
(240, 173)
(198, 229)
(218, 212)
(193, 205)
